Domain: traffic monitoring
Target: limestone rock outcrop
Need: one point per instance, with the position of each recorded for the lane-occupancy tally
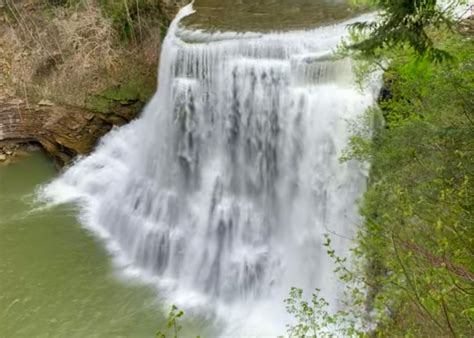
(62, 131)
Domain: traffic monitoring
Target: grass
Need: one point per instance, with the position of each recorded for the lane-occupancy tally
(78, 52)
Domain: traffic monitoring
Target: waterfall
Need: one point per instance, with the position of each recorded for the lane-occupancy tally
(222, 191)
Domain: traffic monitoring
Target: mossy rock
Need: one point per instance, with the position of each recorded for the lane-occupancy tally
(125, 100)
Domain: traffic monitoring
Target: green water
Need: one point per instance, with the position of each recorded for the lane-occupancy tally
(266, 15)
(56, 280)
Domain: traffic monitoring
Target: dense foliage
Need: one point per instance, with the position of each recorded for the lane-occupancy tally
(406, 22)
(419, 234)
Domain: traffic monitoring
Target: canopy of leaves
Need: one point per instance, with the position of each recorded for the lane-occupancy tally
(405, 23)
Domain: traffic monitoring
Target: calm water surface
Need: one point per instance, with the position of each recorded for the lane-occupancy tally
(56, 279)
(266, 15)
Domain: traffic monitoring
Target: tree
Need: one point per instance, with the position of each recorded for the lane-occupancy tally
(417, 238)
(405, 23)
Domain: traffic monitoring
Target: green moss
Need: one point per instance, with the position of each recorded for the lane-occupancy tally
(125, 99)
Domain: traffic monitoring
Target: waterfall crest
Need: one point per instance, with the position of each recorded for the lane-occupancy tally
(226, 184)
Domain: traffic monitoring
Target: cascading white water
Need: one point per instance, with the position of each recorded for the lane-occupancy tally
(226, 185)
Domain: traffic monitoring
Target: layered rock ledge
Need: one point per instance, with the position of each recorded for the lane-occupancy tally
(63, 131)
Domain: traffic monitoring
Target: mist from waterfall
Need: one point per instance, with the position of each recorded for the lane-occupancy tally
(222, 191)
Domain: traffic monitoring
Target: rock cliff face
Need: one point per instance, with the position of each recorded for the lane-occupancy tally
(69, 106)
(62, 131)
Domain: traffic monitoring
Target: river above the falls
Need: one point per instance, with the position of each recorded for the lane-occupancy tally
(266, 15)
(56, 279)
